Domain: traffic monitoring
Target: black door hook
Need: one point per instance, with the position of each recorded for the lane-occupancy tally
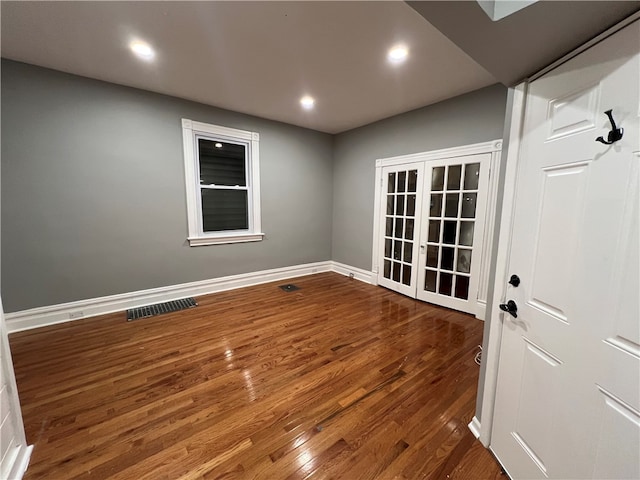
(615, 134)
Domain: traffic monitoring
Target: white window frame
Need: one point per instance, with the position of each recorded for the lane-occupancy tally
(191, 131)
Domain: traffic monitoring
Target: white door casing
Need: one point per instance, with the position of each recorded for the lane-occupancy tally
(386, 209)
(568, 391)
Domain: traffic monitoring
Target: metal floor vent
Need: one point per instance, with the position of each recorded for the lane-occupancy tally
(289, 287)
(160, 308)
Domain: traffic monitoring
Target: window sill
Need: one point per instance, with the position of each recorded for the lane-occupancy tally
(240, 238)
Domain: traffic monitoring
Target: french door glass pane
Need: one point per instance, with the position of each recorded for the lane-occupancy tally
(469, 205)
(462, 287)
(446, 262)
(437, 179)
(432, 256)
(391, 183)
(389, 227)
(449, 233)
(430, 281)
(434, 231)
(413, 181)
(402, 181)
(400, 205)
(453, 177)
(471, 176)
(446, 282)
(407, 255)
(411, 205)
(464, 260)
(451, 205)
(436, 205)
(466, 233)
(408, 234)
(406, 274)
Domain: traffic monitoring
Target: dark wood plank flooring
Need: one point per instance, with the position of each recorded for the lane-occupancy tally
(336, 380)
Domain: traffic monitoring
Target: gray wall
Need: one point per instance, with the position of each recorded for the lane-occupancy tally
(472, 118)
(93, 193)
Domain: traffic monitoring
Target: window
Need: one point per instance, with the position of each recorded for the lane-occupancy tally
(223, 190)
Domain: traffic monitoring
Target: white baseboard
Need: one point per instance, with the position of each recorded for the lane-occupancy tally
(358, 273)
(65, 312)
(474, 426)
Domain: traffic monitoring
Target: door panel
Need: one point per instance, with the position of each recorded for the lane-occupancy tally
(568, 394)
(401, 204)
(452, 225)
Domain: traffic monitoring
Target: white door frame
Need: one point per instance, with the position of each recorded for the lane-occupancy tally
(491, 350)
(493, 147)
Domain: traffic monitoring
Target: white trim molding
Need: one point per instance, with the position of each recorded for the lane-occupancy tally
(491, 348)
(65, 312)
(474, 426)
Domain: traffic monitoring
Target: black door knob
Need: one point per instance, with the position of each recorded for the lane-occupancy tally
(510, 307)
(514, 280)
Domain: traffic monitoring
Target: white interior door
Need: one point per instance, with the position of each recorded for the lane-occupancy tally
(401, 203)
(568, 392)
(451, 231)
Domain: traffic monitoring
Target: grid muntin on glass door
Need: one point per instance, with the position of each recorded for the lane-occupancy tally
(451, 217)
(400, 225)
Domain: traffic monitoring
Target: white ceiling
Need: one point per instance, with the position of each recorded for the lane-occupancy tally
(252, 57)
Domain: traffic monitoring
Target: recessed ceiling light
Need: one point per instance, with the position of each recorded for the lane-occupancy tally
(142, 49)
(307, 102)
(398, 54)
(218, 145)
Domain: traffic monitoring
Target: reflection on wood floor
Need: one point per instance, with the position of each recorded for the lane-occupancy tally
(336, 380)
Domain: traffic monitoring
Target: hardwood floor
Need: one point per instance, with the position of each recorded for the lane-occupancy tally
(336, 380)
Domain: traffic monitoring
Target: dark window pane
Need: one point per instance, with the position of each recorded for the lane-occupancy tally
(224, 210)
(462, 287)
(396, 271)
(224, 165)
(406, 274)
(387, 248)
(391, 183)
(432, 256)
(464, 260)
(398, 233)
(466, 233)
(437, 178)
(408, 252)
(471, 176)
(413, 181)
(449, 233)
(430, 281)
(436, 205)
(389, 204)
(400, 205)
(411, 205)
(388, 231)
(387, 269)
(469, 205)
(434, 231)
(446, 262)
(446, 280)
(453, 178)
(402, 181)
(397, 252)
(408, 233)
(451, 206)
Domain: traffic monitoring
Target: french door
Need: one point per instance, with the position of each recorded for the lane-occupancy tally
(432, 229)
